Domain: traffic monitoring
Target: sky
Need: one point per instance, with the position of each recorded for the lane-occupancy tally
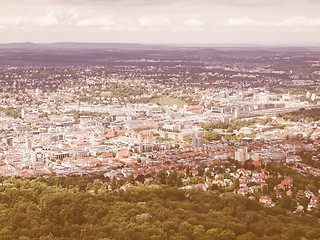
(220, 22)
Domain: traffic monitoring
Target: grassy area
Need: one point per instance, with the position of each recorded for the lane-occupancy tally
(168, 101)
(106, 94)
(293, 90)
(13, 112)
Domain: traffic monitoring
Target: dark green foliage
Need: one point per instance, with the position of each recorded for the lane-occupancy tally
(248, 165)
(306, 157)
(300, 182)
(56, 208)
(212, 136)
(302, 114)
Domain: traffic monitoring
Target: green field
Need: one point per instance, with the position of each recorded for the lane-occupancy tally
(106, 94)
(169, 101)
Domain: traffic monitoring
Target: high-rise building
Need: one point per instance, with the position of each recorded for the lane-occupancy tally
(308, 95)
(255, 156)
(22, 113)
(236, 113)
(28, 144)
(241, 155)
(197, 142)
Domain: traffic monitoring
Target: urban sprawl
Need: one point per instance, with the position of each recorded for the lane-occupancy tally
(155, 125)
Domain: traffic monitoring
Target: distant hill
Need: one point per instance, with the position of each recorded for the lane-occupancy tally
(26, 45)
(83, 45)
(137, 46)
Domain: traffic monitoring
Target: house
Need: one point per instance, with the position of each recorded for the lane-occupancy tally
(243, 191)
(246, 131)
(244, 172)
(106, 155)
(146, 134)
(255, 188)
(110, 134)
(201, 186)
(126, 186)
(123, 154)
(278, 195)
(289, 193)
(195, 109)
(287, 182)
(243, 181)
(256, 163)
(313, 203)
(266, 201)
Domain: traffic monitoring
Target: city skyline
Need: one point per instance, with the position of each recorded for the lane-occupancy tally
(161, 22)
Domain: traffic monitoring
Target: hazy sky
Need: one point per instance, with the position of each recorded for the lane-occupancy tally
(162, 21)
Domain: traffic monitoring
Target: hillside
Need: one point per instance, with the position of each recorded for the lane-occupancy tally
(67, 208)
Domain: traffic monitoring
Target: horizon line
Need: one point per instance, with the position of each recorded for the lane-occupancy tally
(176, 44)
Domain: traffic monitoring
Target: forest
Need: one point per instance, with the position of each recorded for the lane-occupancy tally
(302, 114)
(66, 208)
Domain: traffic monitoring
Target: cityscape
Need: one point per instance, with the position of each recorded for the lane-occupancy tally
(223, 126)
(159, 120)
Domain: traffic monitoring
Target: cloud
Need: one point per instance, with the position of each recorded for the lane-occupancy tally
(55, 18)
(49, 20)
(300, 21)
(191, 22)
(144, 20)
(293, 22)
(153, 22)
(240, 22)
(246, 3)
(96, 22)
(11, 22)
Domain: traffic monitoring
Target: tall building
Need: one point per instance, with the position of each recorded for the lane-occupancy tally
(22, 113)
(236, 113)
(241, 155)
(308, 95)
(197, 142)
(255, 156)
(28, 144)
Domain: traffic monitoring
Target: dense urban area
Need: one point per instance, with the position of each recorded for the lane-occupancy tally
(141, 142)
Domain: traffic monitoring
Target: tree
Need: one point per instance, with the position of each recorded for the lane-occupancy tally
(198, 232)
(287, 202)
(212, 136)
(114, 184)
(131, 179)
(186, 229)
(248, 165)
(162, 176)
(174, 180)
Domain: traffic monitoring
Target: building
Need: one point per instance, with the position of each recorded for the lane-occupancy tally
(197, 142)
(241, 155)
(236, 113)
(255, 156)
